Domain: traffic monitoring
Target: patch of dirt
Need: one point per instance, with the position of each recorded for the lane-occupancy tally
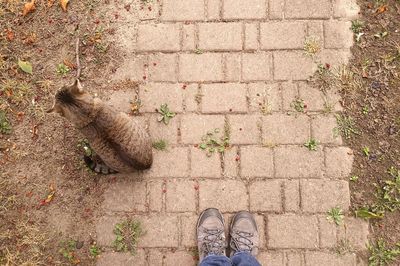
(47, 196)
(375, 108)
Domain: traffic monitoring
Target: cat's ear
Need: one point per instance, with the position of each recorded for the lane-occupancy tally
(76, 88)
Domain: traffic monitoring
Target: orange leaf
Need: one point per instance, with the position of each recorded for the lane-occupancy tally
(69, 64)
(28, 7)
(64, 4)
(382, 9)
(50, 3)
(10, 35)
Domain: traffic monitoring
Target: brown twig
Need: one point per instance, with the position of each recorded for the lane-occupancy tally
(78, 64)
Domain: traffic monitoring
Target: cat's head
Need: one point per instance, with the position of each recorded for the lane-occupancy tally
(73, 103)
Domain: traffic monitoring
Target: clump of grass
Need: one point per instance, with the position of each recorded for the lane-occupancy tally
(357, 26)
(344, 247)
(5, 125)
(312, 46)
(94, 251)
(62, 69)
(346, 127)
(85, 146)
(160, 145)
(67, 250)
(335, 215)
(211, 143)
(354, 178)
(127, 235)
(311, 144)
(387, 197)
(299, 105)
(366, 151)
(380, 254)
(15, 92)
(165, 114)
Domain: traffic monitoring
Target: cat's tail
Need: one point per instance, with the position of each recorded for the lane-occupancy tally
(98, 166)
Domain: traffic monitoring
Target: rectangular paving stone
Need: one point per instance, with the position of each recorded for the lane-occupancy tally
(214, 9)
(183, 10)
(315, 30)
(335, 57)
(292, 231)
(282, 35)
(155, 256)
(181, 196)
(276, 9)
(153, 95)
(323, 195)
(274, 258)
(190, 92)
(348, 9)
(132, 69)
(224, 97)
(312, 96)
(188, 37)
(194, 127)
(203, 165)
(264, 97)
(257, 66)
(200, 67)
(158, 37)
(226, 195)
(104, 229)
(160, 131)
(329, 259)
(308, 9)
(295, 259)
(220, 36)
(161, 231)
(162, 161)
(179, 258)
(287, 65)
(298, 162)
(126, 197)
(122, 259)
(188, 230)
(231, 166)
(265, 196)
(155, 195)
(355, 231)
(244, 129)
(232, 66)
(338, 34)
(339, 162)
(256, 162)
(291, 195)
(251, 36)
(260, 221)
(241, 9)
(163, 67)
(328, 232)
(286, 129)
(323, 129)
(290, 93)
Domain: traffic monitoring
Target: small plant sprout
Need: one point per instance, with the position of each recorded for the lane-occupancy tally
(68, 251)
(160, 145)
(312, 46)
(382, 255)
(211, 143)
(357, 26)
(346, 127)
(84, 145)
(354, 178)
(299, 105)
(366, 151)
(166, 114)
(62, 69)
(311, 144)
(365, 110)
(5, 126)
(335, 215)
(94, 251)
(127, 235)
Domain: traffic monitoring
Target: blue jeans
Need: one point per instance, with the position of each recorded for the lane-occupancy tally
(239, 259)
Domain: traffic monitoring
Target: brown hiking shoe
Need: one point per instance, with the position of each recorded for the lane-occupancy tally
(244, 234)
(210, 233)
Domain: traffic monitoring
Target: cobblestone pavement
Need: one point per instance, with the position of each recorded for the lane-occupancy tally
(237, 66)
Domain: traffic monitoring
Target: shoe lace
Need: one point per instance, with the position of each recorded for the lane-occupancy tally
(241, 241)
(213, 241)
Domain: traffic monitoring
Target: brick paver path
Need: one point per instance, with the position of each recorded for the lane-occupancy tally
(237, 65)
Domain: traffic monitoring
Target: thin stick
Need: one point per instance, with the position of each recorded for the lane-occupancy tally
(78, 64)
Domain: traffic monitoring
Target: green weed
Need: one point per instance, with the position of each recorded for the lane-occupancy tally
(62, 69)
(366, 151)
(67, 250)
(381, 255)
(160, 145)
(335, 215)
(5, 126)
(127, 236)
(311, 144)
(85, 146)
(166, 114)
(346, 127)
(357, 26)
(354, 178)
(94, 251)
(298, 105)
(365, 110)
(211, 143)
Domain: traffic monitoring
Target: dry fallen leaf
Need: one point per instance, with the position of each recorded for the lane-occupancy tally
(28, 7)
(50, 3)
(64, 4)
(69, 64)
(382, 9)
(10, 35)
